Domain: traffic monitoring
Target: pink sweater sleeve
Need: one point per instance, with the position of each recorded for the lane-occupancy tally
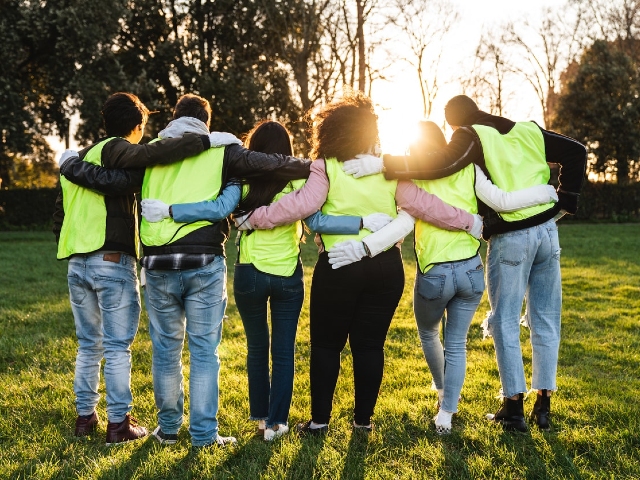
(428, 207)
(295, 205)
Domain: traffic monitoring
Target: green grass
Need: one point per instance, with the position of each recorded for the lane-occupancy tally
(596, 426)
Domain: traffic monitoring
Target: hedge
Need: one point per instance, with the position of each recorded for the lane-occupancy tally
(33, 208)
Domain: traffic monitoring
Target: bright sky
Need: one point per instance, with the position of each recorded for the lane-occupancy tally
(400, 102)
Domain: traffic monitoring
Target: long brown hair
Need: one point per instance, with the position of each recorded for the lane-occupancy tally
(266, 136)
(344, 128)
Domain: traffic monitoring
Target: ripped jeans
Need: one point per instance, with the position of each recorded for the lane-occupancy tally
(525, 264)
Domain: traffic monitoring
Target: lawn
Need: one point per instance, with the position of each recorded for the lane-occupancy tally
(596, 413)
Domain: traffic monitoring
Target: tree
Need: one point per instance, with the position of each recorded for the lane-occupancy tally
(423, 25)
(600, 107)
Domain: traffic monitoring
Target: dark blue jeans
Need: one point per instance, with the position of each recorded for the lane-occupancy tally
(254, 290)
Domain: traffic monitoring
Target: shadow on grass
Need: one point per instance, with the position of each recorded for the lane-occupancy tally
(356, 453)
(304, 463)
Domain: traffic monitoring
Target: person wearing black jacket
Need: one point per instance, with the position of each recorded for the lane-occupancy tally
(523, 258)
(97, 234)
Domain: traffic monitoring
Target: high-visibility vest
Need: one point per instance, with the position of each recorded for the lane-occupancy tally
(436, 245)
(356, 196)
(274, 251)
(194, 179)
(85, 213)
(516, 160)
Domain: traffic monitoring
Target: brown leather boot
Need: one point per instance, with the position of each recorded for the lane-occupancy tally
(124, 431)
(86, 425)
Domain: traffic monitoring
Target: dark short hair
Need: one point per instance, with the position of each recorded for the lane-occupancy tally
(122, 113)
(268, 136)
(429, 140)
(344, 128)
(459, 110)
(190, 105)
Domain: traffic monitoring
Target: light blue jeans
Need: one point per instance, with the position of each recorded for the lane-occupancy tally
(200, 295)
(105, 302)
(453, 288)
(525, 264)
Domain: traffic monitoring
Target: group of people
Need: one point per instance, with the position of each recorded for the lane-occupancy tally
(361, 206)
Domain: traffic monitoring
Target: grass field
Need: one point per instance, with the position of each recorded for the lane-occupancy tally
(596, 413)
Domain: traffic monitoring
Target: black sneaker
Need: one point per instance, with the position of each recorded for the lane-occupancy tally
(363, 428)
(165, 438)
(305, 429)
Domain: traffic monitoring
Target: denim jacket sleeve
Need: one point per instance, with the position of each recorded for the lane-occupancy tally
(333, 224)
(212, 210)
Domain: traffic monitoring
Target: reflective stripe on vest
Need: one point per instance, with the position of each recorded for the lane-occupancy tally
(515, 161)
(194, 179)
(85, 213)
(435, 245)
(273, 251)
(356, 196)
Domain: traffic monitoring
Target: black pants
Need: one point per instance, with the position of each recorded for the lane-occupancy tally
(355, 302)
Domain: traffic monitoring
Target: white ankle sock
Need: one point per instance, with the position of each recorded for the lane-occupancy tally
(440, 395)
(443, 418)
(262, 424)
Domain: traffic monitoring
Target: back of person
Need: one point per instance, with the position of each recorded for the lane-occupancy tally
(516, 160)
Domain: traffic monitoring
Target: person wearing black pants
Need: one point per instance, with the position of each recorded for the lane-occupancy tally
(354, 303)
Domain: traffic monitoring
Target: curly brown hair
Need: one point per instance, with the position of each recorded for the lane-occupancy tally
(345, 128)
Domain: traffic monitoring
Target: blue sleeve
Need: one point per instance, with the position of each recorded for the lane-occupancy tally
(212, 210)
(338, 225)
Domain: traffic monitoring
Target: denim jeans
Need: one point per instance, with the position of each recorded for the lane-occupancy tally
(453, 288)
(105, 302)
(200, 295)
(269, 400)
(354, 303)
(525, 264)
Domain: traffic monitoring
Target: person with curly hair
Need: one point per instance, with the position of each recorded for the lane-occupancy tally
(355, 303)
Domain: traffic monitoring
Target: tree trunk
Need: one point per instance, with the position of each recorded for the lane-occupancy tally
(362, 64)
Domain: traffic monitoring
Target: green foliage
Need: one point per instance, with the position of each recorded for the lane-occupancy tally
(600, 107)
(27, 208)
(595, 417)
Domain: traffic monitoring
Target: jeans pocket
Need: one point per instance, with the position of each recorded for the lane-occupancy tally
(244, 279)
(476, 278)
(213, 286)
(77, 290)
(294, 283)
(430, 287)
(156, 289)
(110, 291)
(513, 248)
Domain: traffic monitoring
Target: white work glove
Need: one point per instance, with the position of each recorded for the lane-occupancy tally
(154, 210)
(220, 139)
(376, 221)
(363, 165)
(346, 253)
(242, 222)
(476, 230)
(66, 155)
(552, 193)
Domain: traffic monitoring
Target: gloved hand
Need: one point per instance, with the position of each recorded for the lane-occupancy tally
(220, 139)
(553, 195)
(568, 201)
(66, 155)
(363, 165)
(376, 221)
(346, 253)
(476, 230)
(154, 210)
(242, 222)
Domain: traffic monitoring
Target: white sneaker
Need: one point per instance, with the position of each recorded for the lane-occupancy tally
(276, 431)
